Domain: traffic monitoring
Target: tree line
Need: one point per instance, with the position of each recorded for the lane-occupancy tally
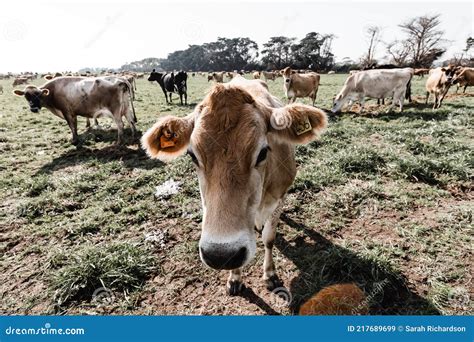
(422, 43)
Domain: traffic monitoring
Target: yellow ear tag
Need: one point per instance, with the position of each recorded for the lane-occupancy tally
(164, 142)
(303, 126)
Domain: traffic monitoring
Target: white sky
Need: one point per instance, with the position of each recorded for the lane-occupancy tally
(51, 36)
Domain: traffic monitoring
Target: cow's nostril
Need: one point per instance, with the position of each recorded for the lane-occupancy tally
(222, 258)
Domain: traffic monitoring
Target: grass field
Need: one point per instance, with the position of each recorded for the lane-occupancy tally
(383, 200)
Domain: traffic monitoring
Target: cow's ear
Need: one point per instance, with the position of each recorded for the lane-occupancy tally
(443, 69)
(168, 138)
(18, 92)
(297, 123)
(45, 92)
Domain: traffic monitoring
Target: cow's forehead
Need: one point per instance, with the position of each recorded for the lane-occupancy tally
(228, 136)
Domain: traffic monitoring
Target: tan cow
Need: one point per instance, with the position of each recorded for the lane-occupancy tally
(241, 141)
(256, 75)
(218, 77)
(300, 85)
(69, 97)
(421, 72)
(268, 75)
(464, 78)
(19, 80)
(438, 83)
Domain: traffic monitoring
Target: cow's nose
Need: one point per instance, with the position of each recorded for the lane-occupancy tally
(221, 257)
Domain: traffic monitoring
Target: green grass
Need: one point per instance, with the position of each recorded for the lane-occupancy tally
(380, 198)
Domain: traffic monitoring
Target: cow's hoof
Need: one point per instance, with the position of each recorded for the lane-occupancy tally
(273, 282)
(75, 142)
(234, 287)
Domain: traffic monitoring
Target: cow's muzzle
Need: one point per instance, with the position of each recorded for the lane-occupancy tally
(222, 257)
(35, 109)
(227, 252)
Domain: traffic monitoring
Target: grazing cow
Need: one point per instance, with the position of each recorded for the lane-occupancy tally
(218, 77)
(421, 72)
(241, 141)
(69, 97)
(332, 72)
(1, 88)
(300, 85)
(464, 78)
(268, 75)
(19, 80)
(438, 83)
(376, 84)
(256, 75)
(50, 77)
(172, 83)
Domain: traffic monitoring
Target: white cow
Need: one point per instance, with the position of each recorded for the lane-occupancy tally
(376, 84)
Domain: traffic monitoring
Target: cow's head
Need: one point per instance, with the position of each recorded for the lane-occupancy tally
(286, 73)
(450, 71)
(458, 75)
(180, 80)
(228, 140)
(155, 76)
(34, 95)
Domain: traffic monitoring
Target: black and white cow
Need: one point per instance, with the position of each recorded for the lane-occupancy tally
(172, 83)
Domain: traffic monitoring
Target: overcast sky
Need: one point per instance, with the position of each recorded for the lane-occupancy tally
(50, 36)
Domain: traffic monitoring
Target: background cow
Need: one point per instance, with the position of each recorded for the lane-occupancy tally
(69, 97)
(171, 83)
(438, 83)
(377, 84)
(300, 85)
(464, 78)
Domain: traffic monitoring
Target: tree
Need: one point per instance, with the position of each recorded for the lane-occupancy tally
(313, 52)
(373, 34)
(469, 43)
(422, 45)
(277, 52)
(144, 65)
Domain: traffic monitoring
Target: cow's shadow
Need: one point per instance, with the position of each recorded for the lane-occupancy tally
(322, 263)
(86, 152)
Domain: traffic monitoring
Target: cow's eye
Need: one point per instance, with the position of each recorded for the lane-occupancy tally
(193, 157)
(262, 155)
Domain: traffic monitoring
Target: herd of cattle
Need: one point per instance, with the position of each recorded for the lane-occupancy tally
(91, 96)
(240, 134)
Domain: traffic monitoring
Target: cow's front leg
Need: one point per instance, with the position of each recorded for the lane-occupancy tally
(171, 101)
(72, 122)
(234, 282)
(269, 276)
